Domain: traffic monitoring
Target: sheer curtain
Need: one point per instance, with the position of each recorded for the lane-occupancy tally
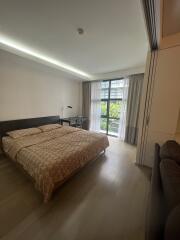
(95, 106)
(123, 110)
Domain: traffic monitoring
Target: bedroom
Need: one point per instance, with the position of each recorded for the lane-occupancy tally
(73, 78)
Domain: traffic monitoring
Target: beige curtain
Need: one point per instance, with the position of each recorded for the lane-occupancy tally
(133, 107)
(86, 102)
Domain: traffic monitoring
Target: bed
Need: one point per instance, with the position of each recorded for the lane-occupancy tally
(53, 156)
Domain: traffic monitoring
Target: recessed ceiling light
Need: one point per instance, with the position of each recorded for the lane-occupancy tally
(10, 44)
(80, 31)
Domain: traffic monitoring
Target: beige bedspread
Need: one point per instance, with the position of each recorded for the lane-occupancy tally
(51, 157)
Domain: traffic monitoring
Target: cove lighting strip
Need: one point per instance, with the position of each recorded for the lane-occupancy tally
(8, 43)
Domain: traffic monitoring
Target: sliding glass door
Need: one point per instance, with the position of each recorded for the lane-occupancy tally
(111, 101)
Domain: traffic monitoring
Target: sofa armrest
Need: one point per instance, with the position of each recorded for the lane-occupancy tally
(155, 211)
(172, 227)
(170, 175)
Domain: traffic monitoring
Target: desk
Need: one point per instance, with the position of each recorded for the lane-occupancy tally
(79, 122)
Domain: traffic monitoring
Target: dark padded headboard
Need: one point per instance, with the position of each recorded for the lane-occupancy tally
(11, 125)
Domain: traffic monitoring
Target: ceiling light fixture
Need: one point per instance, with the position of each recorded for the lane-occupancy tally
(9, 44)
(80, 31)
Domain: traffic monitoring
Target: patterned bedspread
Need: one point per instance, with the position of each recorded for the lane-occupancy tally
(51, 157)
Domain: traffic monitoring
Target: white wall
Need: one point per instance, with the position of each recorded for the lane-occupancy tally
(165, 101)
(29, 89)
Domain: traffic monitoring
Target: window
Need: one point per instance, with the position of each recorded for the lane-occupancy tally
(111, 102)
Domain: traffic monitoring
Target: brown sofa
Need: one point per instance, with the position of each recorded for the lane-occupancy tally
(163, 213)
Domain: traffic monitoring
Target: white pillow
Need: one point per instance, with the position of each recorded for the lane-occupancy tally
(24, 132)
(49, 127)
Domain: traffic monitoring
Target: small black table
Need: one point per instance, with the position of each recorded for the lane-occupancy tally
(79, 122)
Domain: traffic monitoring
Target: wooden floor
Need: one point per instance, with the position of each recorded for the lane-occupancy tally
(106, 200)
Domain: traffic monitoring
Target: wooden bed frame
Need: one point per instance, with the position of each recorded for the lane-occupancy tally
(7, 126)
(11, 125)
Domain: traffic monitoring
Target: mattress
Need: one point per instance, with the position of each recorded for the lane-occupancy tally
(52, 157)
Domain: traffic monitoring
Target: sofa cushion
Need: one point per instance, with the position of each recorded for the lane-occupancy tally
(172, 229)
(170, 150)
(170, 175)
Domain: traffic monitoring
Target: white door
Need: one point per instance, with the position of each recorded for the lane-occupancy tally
(160, 122)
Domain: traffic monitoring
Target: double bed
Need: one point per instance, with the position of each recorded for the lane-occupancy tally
(50, 153)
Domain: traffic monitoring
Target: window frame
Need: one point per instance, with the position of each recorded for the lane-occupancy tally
(108, 100)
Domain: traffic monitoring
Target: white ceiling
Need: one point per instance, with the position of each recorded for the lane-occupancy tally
(114, 39)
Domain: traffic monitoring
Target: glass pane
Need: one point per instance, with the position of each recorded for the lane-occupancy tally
(117, 83)
(115, 108)
(116, 93)
(113, 127)
(104, 90)
(103, 108)
(104, 93)
(103, 124)
(105, 84)
(116, 89)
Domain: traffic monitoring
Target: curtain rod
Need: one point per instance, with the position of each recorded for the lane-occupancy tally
(111, 79)
(108, 79)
